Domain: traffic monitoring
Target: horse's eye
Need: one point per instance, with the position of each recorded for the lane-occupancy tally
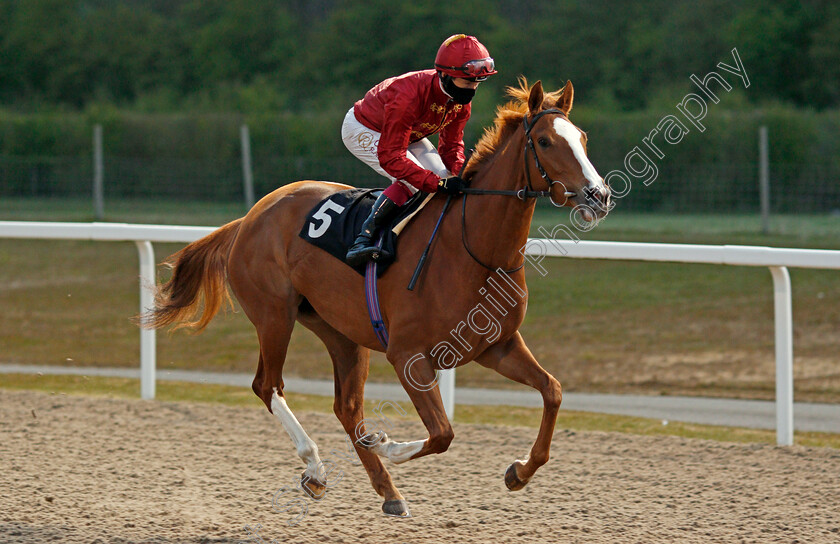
(543, 142)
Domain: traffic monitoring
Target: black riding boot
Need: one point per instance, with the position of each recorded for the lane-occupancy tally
(363, 248)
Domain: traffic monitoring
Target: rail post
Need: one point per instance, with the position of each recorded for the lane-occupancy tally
(764, 178)
(784, 355)
(98, 175)
(147, 336)
(247, 170)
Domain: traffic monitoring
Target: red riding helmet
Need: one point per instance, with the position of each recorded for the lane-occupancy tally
(464, 56)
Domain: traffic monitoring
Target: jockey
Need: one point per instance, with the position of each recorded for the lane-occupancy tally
(388, 129)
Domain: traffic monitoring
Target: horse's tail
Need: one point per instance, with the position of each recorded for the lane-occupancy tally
(199, 274)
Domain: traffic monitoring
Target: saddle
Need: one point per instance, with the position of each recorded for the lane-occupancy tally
(333, 224)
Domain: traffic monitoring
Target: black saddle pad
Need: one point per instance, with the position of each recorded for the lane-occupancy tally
(334, 223)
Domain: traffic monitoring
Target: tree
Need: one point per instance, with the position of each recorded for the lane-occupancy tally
(772, 41)
(822, 84)
(237, 40)
(360, 44)
(41, 42)
(127, 51)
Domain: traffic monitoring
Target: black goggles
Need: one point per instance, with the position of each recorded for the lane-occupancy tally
(474, 70)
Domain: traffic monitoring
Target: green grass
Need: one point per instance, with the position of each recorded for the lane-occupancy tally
(606, 326)
(489, 415)
(789, 230)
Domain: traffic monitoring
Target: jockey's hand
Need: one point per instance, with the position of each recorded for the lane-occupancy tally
(451, 185)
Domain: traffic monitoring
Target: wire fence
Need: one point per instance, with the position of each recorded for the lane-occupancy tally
(678, 188)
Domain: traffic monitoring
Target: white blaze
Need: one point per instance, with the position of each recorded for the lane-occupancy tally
(572, 135)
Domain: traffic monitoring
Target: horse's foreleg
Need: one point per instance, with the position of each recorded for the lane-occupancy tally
(514, 360)
(350, 369)
(350, 411)
(418, 379)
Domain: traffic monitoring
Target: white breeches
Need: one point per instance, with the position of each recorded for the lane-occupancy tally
(363, 143)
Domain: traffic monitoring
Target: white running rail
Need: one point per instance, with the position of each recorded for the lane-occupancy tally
(776, 259)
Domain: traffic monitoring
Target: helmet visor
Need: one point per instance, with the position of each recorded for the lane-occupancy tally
(477, 70)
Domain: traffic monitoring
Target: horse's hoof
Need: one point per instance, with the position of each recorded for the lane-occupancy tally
(512, 480)
(396, 508)
(316, 489)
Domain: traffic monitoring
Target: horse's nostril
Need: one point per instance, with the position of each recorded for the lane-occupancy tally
(597, 198)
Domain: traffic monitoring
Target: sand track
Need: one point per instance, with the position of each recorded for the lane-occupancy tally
(80, 469)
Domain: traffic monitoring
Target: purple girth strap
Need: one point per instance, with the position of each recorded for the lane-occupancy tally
(372, 296)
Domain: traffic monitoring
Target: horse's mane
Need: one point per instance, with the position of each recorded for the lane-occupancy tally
(508, 118)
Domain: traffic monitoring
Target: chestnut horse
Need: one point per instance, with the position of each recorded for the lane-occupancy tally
(278, 279)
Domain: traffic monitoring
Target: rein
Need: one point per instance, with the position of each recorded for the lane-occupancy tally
(467, 247)
(522, 194)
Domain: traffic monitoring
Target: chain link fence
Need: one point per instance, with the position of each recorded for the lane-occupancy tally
(678, 188)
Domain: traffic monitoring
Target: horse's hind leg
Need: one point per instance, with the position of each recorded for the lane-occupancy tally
(274, 325)
(350, 367)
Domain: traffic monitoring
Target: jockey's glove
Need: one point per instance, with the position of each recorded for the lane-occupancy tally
(451, 185)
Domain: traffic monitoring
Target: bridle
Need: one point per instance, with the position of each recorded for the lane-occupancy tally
(522, 194)
(528, 192)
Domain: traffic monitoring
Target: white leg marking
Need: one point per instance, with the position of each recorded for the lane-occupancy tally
(397, 452)
(306, 448)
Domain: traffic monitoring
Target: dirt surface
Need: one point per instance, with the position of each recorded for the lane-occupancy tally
(81, 469)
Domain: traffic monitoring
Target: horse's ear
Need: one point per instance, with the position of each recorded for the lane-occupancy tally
(564, 103)
(535, 98)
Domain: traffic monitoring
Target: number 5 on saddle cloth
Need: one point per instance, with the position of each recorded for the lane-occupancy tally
(334, 223)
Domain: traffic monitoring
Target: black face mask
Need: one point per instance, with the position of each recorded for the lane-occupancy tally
(459, 95)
